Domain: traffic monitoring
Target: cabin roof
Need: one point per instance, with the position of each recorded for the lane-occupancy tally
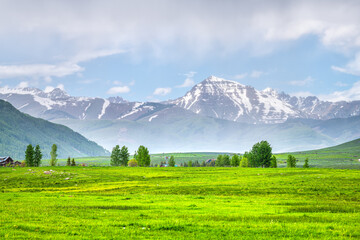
(3, 159)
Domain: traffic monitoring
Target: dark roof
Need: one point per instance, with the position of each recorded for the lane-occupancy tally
(3, 159)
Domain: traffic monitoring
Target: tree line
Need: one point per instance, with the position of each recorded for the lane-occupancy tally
(33, 157)
(260, 155)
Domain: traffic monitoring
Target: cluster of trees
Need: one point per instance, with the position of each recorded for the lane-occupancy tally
(291, 162)
(120, 157)
(260, 155)
(33, 156)
(70, 162)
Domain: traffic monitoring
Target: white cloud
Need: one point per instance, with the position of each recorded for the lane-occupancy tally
(304, 82)
(347, 95)
(240, 76)
(190, 74)
(189, 81)
(102, 29)
(162, 91)
(117, 90)
(117, 82)
(352, 67)
(82, 31)
(38, 70)
(341, 84)
(23, 85)
(256, 74)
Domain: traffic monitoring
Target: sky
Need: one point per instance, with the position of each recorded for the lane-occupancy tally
(155, 50)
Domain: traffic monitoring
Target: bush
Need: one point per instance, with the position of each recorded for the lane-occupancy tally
(132, 163)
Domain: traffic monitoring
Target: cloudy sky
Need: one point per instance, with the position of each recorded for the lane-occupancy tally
(157, 50)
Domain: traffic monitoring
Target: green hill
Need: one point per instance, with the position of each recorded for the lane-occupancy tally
(345, 155)
(19, 129)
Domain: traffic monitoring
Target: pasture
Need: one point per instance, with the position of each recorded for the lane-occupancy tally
(179, 203)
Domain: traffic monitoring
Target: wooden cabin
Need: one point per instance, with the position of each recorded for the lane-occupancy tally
(8, 161)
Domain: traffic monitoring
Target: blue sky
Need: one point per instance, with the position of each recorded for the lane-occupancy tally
(157, 50)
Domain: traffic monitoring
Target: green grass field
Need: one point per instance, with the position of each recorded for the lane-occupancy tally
(179, 203)
(345, 155)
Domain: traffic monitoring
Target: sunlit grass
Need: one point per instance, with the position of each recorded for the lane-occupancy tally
(179, 203)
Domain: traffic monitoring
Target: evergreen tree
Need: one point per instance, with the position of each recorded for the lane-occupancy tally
(68, 162)
(203, 164)
(143, 156)
(190, 163)
(73, 162)
(172, 161)
(37, 156)
(291, 161)
(115, 156)
(261, 153)
(29, 156)
(306, 164)
(273, 162)
(124, 156)
(235, 160)
(53, 155)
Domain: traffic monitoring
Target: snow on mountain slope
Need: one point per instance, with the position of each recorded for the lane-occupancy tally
(57, 104)
(230, 100)
(214, 97)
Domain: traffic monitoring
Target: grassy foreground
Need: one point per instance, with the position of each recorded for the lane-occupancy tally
(179, 203)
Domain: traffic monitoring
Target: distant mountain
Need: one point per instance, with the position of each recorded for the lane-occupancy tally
(57, 104)
(230, 100)
(215, 115)
(19, 129)
(214, 97)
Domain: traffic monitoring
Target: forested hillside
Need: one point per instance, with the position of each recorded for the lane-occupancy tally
(19, 129)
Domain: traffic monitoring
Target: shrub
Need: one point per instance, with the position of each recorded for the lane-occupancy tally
(132, 163)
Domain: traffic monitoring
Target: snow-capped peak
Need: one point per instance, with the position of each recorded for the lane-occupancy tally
(226, 99)
(58, 93)
(270, 91)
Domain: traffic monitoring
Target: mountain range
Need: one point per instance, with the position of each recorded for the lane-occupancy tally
(214, 97)
(215, 114)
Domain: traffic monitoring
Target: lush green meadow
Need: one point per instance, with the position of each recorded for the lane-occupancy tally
(345, 155)
(179, 203)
